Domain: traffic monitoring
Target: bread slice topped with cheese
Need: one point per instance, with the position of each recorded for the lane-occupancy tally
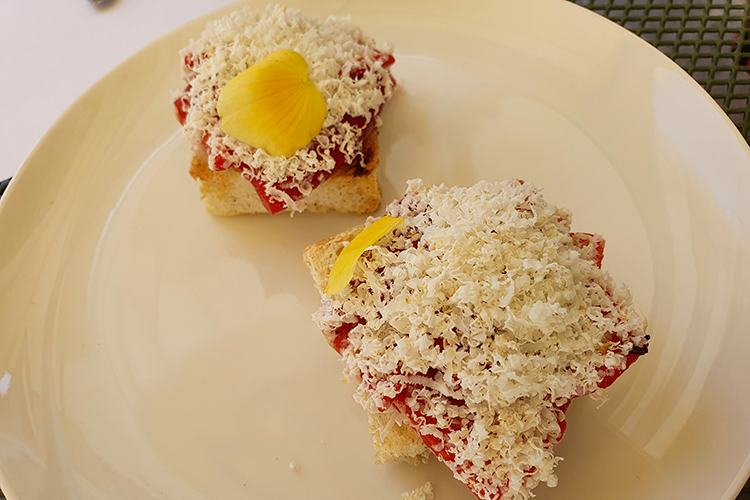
(282, 112)
(469, 319)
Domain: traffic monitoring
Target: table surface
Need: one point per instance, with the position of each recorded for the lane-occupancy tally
(68, 46)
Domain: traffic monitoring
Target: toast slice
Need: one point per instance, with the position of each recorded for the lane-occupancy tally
(393, 438)
(475, 323)
(352, 189)
(337, 168)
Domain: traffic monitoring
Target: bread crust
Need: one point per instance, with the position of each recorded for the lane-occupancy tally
(319, 257)
(353, 189)
(393, 438)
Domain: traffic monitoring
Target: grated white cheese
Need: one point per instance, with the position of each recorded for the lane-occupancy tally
(5, 383)
(484, 305)
(424, 492)
(332, 48)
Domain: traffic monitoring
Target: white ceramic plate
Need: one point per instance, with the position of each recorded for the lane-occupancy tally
(153, 351)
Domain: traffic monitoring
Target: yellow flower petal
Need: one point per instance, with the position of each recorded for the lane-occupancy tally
(272, 105)
(343, 268)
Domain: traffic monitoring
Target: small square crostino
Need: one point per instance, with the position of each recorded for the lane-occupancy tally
(338, 168)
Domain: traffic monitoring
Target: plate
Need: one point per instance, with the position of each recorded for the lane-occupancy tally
(150, 350)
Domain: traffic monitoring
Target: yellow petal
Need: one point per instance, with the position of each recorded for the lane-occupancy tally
(343, 268)
(272, 105)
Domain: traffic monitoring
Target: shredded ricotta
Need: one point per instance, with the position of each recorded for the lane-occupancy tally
(333, 49)
(486, 316)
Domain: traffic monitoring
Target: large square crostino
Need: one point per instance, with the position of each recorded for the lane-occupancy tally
(470, 328)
